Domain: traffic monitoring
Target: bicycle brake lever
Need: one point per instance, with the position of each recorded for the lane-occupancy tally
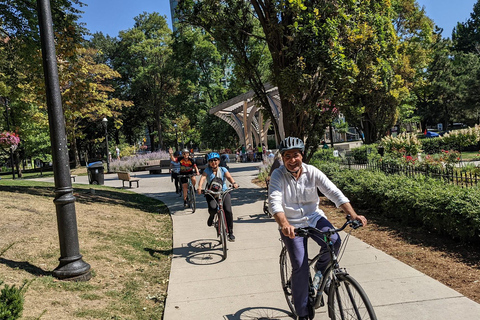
(356, 224)
(301, 232)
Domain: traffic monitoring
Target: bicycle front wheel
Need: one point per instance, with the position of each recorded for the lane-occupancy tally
(347, 300)
(223, 233)
(286, 278)
(193, 203)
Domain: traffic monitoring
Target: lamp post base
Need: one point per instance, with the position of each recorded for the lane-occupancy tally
(72, 269)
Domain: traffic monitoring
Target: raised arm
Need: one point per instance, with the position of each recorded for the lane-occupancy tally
(200, 183)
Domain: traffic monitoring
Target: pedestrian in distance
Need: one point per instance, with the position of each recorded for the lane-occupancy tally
(293, 201)
(175, 165)
(213, 173)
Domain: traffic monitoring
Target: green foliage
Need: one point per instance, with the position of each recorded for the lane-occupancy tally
(444, 208)
(11, 302)
(325, 155)
(454, 140)
(403, 144)
(366, 153)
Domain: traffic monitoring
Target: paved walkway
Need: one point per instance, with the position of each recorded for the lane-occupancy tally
(247, 284)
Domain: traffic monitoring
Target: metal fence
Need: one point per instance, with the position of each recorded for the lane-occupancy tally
(453, 176)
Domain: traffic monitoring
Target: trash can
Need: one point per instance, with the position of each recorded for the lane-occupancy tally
(95, 173)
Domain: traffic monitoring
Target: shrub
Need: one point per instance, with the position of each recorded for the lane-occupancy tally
(366, 153)
(11, 302)
(404, 144)
(129, 164)
(444, 208)
(455, 140)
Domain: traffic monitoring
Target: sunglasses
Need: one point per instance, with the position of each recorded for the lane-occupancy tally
(213, 160)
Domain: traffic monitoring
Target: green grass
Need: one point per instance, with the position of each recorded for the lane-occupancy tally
(470, 155)
(149, 253)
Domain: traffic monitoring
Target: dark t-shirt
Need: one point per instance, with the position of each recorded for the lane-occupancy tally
(186, 165)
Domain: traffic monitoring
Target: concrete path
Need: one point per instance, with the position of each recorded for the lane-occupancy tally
(247, 284)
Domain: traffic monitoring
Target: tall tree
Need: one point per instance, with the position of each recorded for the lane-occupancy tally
(466, 36)
(86, 96)
(321, 52)
(144, 61)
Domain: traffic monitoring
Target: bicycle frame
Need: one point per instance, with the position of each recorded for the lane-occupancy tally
(221, 219)
(190, 190)
(218, 197)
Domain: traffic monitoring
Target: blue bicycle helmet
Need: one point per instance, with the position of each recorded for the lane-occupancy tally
(213, 155)
(291, 143)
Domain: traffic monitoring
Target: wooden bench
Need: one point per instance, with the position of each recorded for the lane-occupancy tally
(125, 176)
(157, 168)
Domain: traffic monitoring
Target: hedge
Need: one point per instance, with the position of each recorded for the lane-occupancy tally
(443, 208)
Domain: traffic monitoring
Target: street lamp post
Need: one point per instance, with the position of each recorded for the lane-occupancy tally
(72, 266)
(176, 137)
(105, 123)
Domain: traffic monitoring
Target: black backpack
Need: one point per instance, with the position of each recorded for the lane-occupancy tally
(216, 184)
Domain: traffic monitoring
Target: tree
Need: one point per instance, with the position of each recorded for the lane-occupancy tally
(20, 66)
(86, 96)
(465, 35)
(321, 53)
(144, 62)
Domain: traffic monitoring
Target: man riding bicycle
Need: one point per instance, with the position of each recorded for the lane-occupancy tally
(293, 201)
(187, 167)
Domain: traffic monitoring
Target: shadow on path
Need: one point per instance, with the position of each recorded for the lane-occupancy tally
(263, 313)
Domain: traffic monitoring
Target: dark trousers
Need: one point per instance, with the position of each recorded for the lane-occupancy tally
(227, 207)
(297, 251)
(178, 187)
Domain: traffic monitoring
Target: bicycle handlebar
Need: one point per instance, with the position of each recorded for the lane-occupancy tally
(186, 175)
(218, 193)
(307, 231)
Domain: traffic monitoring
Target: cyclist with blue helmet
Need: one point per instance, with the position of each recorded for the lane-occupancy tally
(213, 173)
(293, 201)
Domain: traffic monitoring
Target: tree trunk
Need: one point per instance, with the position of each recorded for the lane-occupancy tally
(74, 153)
(16, 157)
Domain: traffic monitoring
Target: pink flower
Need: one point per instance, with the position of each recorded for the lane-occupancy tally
(9, 139)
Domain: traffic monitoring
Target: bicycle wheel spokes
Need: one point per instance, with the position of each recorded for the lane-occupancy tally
(348, 301)
(285, 276)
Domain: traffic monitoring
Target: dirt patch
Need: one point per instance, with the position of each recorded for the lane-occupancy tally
(126, 238)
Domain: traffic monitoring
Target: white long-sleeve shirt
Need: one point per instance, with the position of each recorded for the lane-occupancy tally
(298, 199)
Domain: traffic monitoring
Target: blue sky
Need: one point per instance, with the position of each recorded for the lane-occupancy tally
(111, 16)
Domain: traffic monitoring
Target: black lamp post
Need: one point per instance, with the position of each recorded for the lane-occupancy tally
(105, 124)
(176, 137)
(71, 266)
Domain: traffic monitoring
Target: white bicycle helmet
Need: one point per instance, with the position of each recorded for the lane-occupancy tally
(290, 143)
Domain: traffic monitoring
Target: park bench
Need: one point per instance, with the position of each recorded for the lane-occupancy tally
(125, 176)
(157, 169)
(73, 177)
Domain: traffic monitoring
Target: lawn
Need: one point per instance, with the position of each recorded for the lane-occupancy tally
(124, 236)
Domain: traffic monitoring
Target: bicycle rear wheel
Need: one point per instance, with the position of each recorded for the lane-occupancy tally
(223, 233)
(347, 300)
(286, 278)
(193, 204)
